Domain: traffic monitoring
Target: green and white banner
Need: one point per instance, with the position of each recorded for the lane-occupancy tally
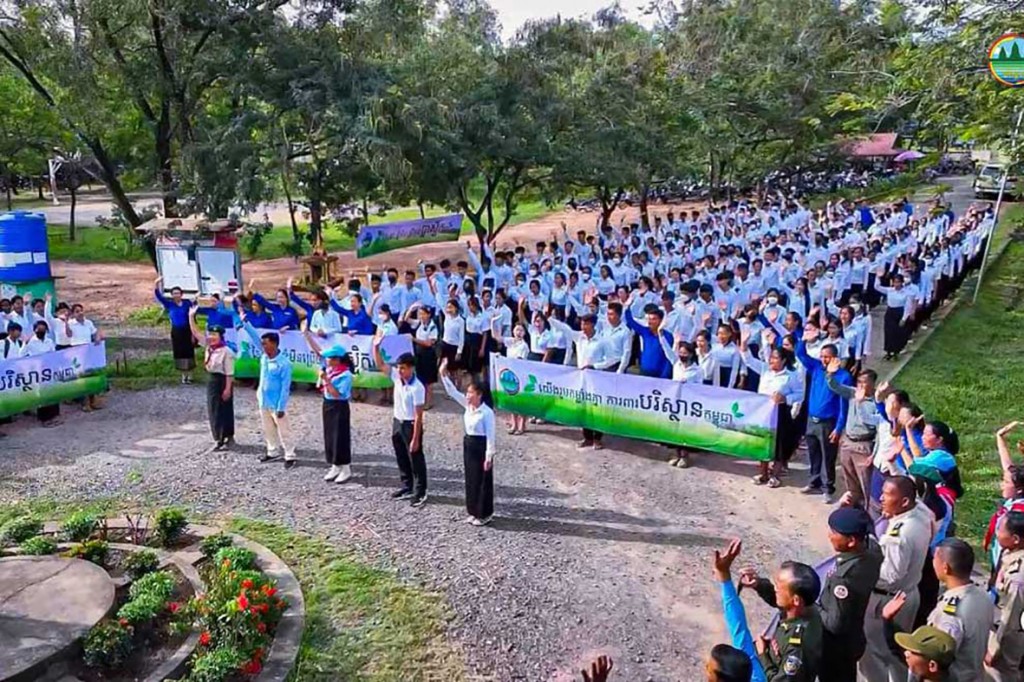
(737, 423)
(306, 366)
(51, 378)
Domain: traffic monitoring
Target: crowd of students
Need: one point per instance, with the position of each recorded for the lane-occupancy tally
(36, 326)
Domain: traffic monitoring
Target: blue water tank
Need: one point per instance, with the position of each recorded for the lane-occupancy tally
(24, 252)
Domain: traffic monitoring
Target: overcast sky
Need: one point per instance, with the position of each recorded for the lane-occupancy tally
(514, 13)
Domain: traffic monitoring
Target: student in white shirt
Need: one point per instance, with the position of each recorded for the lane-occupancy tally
(779, 382)
(516, 348)
(81, 330)
(10, 347)
(424, 345)
(407, 426)
(39, 344)
(478, 447)
(453, 337)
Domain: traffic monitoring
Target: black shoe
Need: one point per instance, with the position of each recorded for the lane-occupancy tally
(419, 501)
(289, 463)
(268, 458)
(220, 445)
(403, 494)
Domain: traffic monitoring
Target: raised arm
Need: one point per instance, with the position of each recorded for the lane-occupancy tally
(449, 387)
(160, 298)
(1005, 459)
(311, 341)
(196, 334)
(378, 359)
(298, 302)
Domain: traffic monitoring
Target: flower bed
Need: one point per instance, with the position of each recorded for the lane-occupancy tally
(189, 606)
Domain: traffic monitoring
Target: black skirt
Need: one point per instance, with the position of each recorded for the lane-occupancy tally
(221, 412)
(479, 483)
(558, 356)
(471, 360)
(895, 338)
(785, 442)
(337, 432)
(426, 364)
(184, 349)
(450, 353)
(536, 357)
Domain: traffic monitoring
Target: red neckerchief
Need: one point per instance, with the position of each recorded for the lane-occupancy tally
(332, 374)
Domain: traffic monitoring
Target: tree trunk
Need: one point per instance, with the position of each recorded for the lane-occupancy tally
(644, 218)
(366, 211)
(74, 205)
(423, 216)
(165, 170)
(314, 220)
(39, 188)
(288, 198)
(10, 199)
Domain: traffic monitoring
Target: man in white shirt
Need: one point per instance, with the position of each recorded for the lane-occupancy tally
(10, 347)
(591, 353)
(40, 342)
(407, 425)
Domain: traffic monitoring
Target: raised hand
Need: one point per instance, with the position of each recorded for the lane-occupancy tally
(599, 670)
(1007, 429)
(723, 560)
(890, 610)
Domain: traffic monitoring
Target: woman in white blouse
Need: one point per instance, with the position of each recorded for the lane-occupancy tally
(899, 309)
(516, 348)
(686, 369)
(453, 336)
(780, 383)
(478, 446)
(727, 367)
(424, 346)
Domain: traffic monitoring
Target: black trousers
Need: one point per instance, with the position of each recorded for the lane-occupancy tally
(479, 483)
(591, 436)
(895, 333)
(221, 412)
(411, 463)
(841, 665)
(928, 588)
(337, 432)
(822, 453)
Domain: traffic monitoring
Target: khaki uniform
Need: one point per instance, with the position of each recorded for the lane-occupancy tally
(965, 614)
(904, 550)
(1006, 643)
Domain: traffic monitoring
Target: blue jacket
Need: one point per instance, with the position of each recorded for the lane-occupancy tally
(281, 317)
(822, 403)
(357, 323)
(275, 376)
(219, 315)
(653, 362)
(177, 313)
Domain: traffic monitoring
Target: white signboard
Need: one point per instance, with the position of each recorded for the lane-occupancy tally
(177, 269)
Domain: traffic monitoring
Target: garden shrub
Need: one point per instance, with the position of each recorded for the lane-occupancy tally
(39, 545)
(170, 524)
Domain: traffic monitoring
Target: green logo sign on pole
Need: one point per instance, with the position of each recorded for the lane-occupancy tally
(1006, 60)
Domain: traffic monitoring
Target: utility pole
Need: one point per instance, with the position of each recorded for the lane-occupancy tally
(999, 203)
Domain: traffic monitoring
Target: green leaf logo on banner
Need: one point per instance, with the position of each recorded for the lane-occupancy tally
(385, 356)
(531, 384)
(736, 414)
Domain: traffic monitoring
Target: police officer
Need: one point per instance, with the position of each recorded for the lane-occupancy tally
(847, 591)
(794, 653)
(1005, 656)
(964, 610)
(904, 546)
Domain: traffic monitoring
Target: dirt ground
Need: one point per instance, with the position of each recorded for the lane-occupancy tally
(114, 289)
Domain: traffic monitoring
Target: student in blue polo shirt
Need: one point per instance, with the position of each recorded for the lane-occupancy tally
(273, 393)
(336, 385)
(182, 344)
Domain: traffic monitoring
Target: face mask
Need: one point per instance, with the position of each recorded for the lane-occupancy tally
(382, 318)
(772, 300)
(617, 261)
(533, 273)
(324, 305)
(40, 335)
(392, 280)
(586, 276)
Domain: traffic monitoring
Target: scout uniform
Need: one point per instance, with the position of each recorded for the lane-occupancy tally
(904, 547)
(799, 644)
(1006, 642)
(845, 595)
(965, 614)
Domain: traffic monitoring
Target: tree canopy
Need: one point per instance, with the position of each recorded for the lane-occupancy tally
(224, 104)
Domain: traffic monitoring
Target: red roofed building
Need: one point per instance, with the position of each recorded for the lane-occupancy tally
(878, 145)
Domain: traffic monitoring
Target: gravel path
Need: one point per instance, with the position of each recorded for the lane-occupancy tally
(591, 552)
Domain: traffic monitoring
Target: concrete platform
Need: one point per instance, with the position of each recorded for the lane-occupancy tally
(46, 605)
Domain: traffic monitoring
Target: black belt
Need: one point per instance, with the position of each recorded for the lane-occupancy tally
(875, 590)
(821, 420)
(865, 439)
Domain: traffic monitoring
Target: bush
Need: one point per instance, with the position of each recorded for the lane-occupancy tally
(215, 665)
(214, 543)
(138, 564)
(170, 524)
(94, 551)
(240, 558)
(39, 545)
(79, 526)
(148, 597)
(19, 529)
(107, 645)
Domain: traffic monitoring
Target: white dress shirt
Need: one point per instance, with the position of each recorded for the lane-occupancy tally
(35, 346)
(408, 396)
(81, 332)
(478, 421)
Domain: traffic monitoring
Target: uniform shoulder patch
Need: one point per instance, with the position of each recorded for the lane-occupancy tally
(951, 605)
(895, 530)
(841, 592)
(792, 665)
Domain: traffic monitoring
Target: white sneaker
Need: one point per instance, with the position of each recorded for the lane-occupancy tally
(345, 474)
(469, 519)
(482, 522)
(332, 474)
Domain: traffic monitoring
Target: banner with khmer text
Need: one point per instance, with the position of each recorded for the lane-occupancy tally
(737, 423)
(374, 239)
(306, 366)
(51, 378)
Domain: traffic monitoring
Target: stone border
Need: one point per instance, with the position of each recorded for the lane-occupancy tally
(284, 648)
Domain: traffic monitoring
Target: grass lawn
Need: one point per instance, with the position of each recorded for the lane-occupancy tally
(98, 245)
(970, 374)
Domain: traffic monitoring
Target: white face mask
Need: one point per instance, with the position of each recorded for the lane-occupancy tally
(772, 300)
(617, 261)
(586, 276)
(382, 318)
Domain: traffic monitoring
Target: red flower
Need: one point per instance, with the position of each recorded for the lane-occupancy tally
(264, 608)
(204, 639)
(173, 606)
(258, 654)
(262, 627)
(269, 591)
(247, 584)
(243, 602)
(123, 622)
(252, 667)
